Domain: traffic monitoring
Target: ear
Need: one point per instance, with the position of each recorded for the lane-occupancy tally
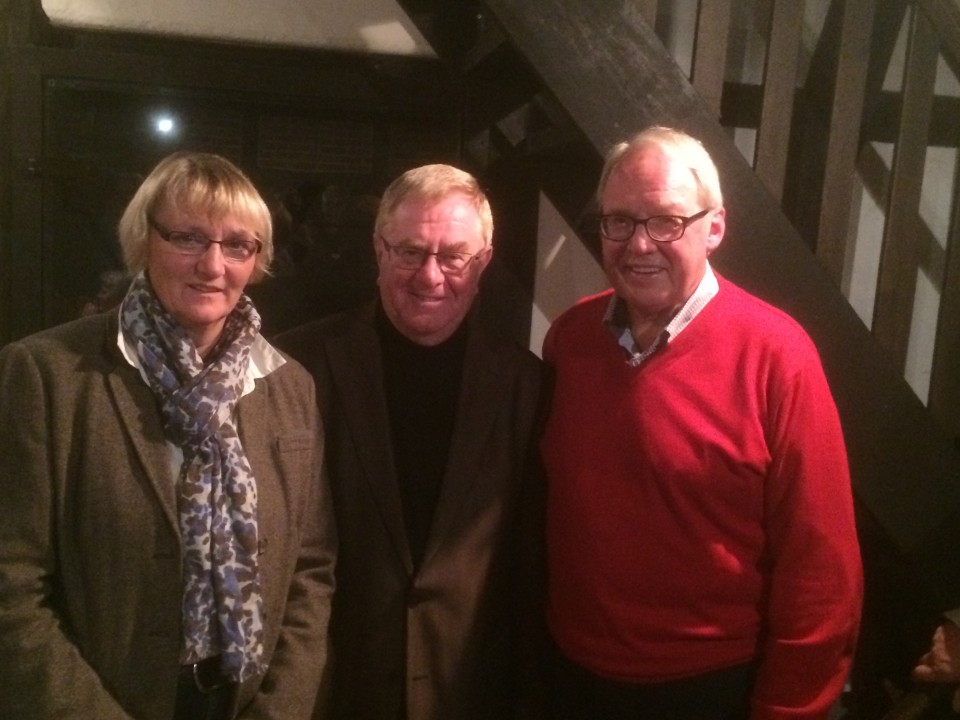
(485, 258)
(718, 225)
(379, 252)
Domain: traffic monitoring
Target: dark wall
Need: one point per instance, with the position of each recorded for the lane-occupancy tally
(5, 88)
(320, 133)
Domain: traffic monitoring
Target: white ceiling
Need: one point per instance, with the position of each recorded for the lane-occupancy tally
(378, 26)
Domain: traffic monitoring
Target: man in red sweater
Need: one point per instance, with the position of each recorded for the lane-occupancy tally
(703, 559)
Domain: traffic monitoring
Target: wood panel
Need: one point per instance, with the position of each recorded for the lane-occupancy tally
(875, 176)
(648, 10)
(803, 184)
(806, 169)
(944, 400)
(710, 51)
(844, 137)
(945, 376)
(779, 87)
(896, 286)
(945, 16)
(882, 124)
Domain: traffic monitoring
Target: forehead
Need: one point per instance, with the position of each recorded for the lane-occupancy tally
(452, 215)
(238, 218)
(653, 172)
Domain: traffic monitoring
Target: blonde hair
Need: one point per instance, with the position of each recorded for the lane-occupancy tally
(200, 183)
(435, 182)
(682, 147)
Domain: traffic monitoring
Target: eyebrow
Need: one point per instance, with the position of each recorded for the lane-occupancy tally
(460, 247)
(234, 235)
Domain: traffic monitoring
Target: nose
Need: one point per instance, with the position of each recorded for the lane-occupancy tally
(641, 241)
(430, 271)
(211, 262)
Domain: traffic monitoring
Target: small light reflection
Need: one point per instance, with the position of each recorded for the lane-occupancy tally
(165, 125)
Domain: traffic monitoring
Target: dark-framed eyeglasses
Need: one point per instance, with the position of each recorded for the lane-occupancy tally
(660, 228)
(409, 257)
(234, 248)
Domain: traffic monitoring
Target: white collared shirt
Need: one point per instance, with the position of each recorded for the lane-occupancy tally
(613, 318)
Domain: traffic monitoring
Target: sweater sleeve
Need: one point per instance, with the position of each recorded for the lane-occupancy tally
(44, 674)
(815, 575)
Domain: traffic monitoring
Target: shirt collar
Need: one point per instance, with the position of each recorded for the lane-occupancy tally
(616, 318)
(264, 359)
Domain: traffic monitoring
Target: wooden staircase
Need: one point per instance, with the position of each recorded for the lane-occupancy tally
(549, 85)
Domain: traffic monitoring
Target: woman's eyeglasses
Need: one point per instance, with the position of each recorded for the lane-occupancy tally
(237, 249)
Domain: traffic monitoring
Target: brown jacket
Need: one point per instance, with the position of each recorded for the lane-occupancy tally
(90, 586)
(446, 638)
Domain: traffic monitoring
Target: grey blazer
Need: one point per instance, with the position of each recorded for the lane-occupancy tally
(90, 586)
(445, 640)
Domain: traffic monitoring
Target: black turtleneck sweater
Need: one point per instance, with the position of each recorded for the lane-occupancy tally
(422, 387)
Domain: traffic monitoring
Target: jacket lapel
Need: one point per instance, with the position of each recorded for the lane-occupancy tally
(136, 409)
(355, 364)
(252, 415)
(481, 394)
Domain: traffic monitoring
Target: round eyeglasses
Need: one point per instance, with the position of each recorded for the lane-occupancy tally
(409, 257)
(235, 249)
(660, 228)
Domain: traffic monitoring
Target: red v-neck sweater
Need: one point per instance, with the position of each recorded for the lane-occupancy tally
(700, 512)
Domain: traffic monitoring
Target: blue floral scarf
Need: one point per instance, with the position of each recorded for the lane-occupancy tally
(217, 493)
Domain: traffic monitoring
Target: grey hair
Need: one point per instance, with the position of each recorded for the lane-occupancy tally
(681, 146)
(435, 182)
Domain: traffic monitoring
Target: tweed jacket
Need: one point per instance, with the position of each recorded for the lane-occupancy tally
(446, 638)
(90, 588)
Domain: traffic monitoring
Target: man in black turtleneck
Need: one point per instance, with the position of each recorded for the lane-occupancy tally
(430, 425)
